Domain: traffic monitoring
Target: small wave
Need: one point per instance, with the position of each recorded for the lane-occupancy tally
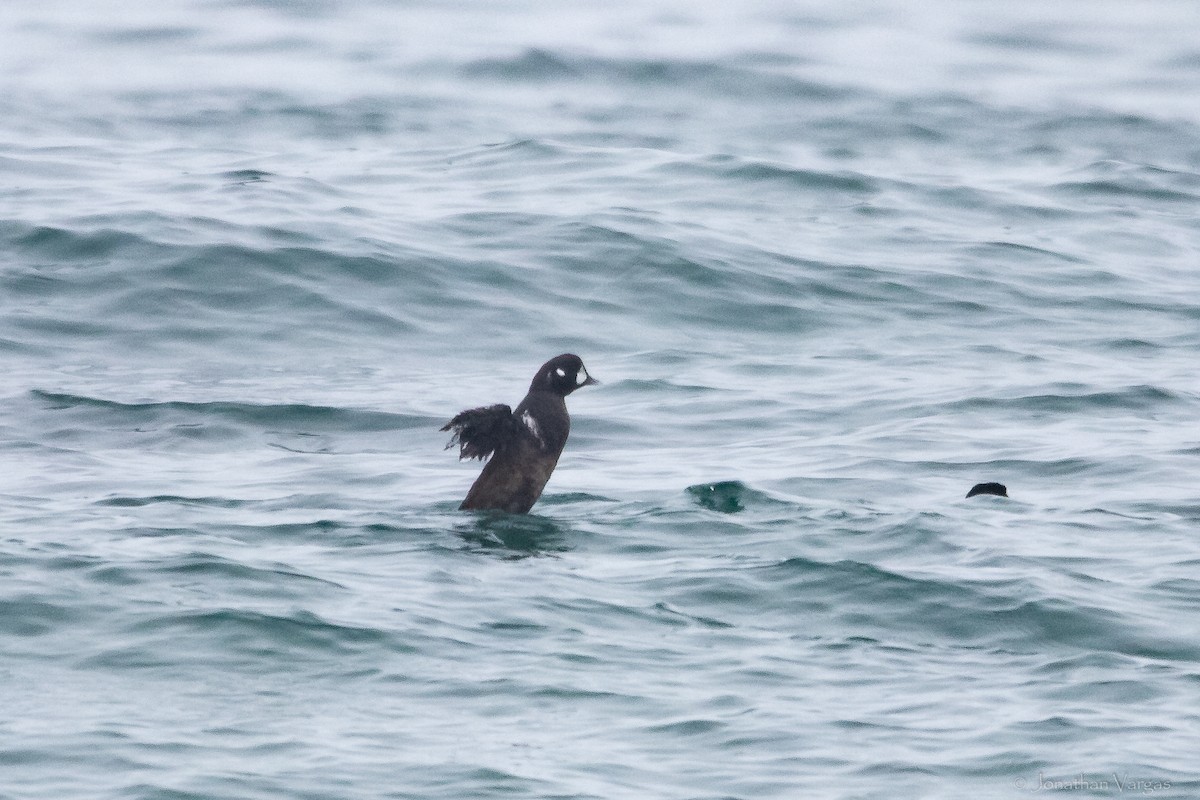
(138, 502)
(686, 728)
(724, 78)
(147, 36)
(707, 622)
(1119, 181)
(1008, 250)
(997, 612)
(30, 617)
(1128, 189)
(805, 178)
(269, 416)
(1142, 398)
(533, 64)
(208, 565)
(764, 172)
(258, 632)
(56, 245)
(504, 155)
(276, 580)
(246, 175)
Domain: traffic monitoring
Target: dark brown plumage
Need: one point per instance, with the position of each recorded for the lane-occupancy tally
(523, 445)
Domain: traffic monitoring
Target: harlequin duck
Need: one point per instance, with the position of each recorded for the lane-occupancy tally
(525, 444)
(998, 489)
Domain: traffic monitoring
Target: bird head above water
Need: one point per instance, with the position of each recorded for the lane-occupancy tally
(562, 375)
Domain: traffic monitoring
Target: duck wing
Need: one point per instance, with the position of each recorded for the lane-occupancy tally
(479, 432)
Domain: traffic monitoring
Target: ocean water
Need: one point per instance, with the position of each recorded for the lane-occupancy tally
(834, 263)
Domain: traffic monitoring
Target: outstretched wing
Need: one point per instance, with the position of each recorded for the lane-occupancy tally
(479, 432)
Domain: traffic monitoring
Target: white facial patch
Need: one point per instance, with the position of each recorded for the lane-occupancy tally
(581, 377)
(560, 372)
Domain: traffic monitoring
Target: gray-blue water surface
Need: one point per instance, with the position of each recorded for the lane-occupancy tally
(834, 263)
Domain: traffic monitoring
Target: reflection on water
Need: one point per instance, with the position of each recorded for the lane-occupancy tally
(514, 535)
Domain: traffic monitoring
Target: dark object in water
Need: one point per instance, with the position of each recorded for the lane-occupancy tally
(525, 444)
(998, 489)
(725, 496)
